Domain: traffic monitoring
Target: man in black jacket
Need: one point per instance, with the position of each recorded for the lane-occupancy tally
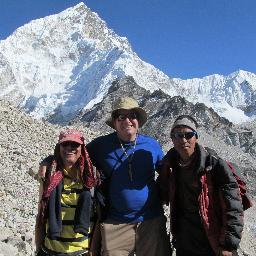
(205, 205)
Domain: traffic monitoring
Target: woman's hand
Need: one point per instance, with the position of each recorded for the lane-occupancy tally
(225, 253)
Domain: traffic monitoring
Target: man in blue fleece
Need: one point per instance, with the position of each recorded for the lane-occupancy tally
(132, 218)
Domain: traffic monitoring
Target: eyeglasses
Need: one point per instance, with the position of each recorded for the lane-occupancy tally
(181, 135)
(122, 117)
(72, 144)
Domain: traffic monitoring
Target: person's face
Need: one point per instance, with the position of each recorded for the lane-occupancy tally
(126, 124)
(184, 141)
(70, 152)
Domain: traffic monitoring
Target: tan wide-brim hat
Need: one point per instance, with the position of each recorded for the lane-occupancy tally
(128, 103)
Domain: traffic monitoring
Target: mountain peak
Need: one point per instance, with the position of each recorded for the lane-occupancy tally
(65, 63)
(242, 73)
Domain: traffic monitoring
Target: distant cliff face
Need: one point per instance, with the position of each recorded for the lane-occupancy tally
(230, 140)
(65, 63)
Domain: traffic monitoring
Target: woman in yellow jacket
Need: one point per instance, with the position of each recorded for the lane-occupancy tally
(63, 222)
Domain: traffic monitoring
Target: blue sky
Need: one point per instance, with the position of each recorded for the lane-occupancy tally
(183, 38)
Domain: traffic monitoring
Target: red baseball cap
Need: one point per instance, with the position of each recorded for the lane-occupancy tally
(71, 135)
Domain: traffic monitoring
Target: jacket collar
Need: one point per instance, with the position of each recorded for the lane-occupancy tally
(202, 155)
(172, 157)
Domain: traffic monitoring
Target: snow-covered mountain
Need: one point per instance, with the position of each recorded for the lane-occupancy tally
(232, 96)
(65, 63)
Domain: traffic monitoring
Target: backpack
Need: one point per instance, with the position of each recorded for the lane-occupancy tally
(213, 159)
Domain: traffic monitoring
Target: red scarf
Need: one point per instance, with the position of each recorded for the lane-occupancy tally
(54, 176)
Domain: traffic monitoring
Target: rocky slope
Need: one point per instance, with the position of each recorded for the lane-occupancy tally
(23, 143)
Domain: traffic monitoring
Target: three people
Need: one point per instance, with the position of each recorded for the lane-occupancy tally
(63, 221)
(206, 212)
(132, 218)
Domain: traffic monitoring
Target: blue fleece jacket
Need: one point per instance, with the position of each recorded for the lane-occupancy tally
(128, 201)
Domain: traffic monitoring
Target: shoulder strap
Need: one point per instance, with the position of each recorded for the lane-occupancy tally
(211, 163)
(246, 201)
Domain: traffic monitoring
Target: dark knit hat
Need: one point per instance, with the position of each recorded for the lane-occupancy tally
(185, 120)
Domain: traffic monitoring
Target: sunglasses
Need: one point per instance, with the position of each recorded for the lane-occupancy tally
(181, 135)
(72, 144)
(122, 117)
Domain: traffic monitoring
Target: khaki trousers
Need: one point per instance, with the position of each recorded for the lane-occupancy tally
(147, 238)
